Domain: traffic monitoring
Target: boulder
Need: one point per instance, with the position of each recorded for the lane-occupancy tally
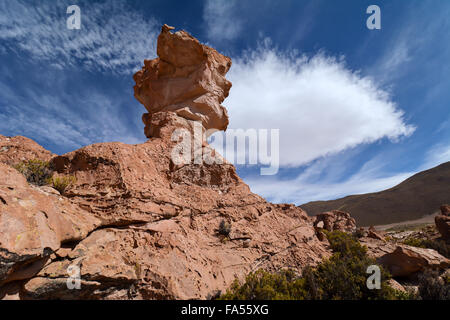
(445, 210)
(17, 149)
(374, 234)
(335, 220)
(33, 224)
(442, 222)
(187, 78)
(406, 260)
(137, 224)
(396, 285)
(443, 225)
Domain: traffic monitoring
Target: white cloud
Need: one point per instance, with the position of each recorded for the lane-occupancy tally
(221, 22)
(308, 186)
(112, 37)
(320, 106)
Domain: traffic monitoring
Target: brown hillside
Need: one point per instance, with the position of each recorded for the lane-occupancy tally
(419, 195)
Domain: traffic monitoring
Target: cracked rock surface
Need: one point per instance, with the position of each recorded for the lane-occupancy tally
(135, 224)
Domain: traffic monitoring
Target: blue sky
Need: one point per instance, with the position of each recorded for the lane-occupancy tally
(358, 110)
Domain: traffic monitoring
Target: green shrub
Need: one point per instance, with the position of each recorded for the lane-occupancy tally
(343, 276)
(419, 243)
(35, 171)
(262, 285)
(439, 245)
(61, 183)
(433, 287)
(224, 228)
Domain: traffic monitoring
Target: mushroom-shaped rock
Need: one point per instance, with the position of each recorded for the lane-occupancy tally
(187, 78)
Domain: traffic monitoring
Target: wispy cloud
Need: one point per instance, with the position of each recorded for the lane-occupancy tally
(67, 119)
(112, 37)
(311, 185)
(420, 37)
(221, 21)
(437, 154)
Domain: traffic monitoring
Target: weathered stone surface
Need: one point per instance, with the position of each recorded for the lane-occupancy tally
(377, 248)
(170, 218)
(137, 224)
(33, 224)
(374, 234)
(335, 220)
(395, 285)
(141, 228)
(406, 260)
(445, 210)
(443, 226)
(187, 78)
(16, 149)
(442, 222)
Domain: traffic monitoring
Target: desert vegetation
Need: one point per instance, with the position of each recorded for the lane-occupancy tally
(437, 244)
(36, 171)
(341, 277)
(41, 173)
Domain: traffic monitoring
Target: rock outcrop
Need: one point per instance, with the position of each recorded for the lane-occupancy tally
(335, 220)
(443, 222)
(402, 260)
(406, 260)
(35, 223)
(136, 224)
(187, 78)
(16, 149)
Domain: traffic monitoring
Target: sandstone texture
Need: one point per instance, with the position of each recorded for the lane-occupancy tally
(187, 78)
(402, 260)
(16, 149)
(335, 220)
(135, 224)
(140, 228)
(35, 223)
(443, 222)
(407, 260)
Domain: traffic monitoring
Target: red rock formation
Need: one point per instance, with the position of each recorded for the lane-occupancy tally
(374, 234)
(406, 260)
(138, 225)
(445, 210)
(35, 222)
(187, 78)
(16, 149)
(335, 220)
(443, 222)
(402, 260)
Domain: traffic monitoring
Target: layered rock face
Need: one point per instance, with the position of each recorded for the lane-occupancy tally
(139, 226)
(16, 149)
(187, 78)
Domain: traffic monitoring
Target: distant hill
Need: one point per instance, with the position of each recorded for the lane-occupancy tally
(417, 196)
